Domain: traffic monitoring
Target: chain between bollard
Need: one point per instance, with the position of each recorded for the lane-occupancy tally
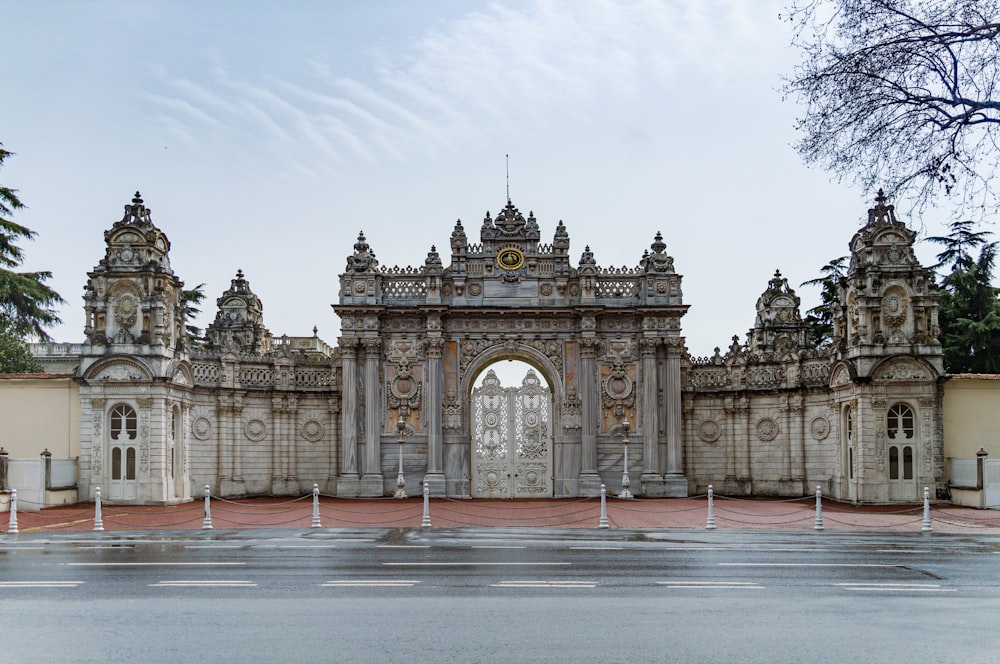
(207, 523)
(925, 527)
(316, 523)
(426, 521)
(710, 521)
(819, 509)
(12, 521)
(603, 523)
(98, 517)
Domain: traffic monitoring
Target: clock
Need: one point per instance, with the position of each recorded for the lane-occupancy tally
(510, 259)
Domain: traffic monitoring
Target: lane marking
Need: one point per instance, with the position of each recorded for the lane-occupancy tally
(375, 583)
(496, 546)
(705, 585)
(804, 565)
(159, 564)
(214, 546)
(40, 584)
(474, 564)
(221, 583)
(693, 548)
(596, 548)
(896, 587)
(902, 550)
(295, 546)
(402, 546)
(544, 584)
(22, 548)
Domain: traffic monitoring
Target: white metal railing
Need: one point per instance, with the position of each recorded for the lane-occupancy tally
(963, 473)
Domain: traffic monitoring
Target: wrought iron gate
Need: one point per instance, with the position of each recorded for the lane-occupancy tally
(511, 439)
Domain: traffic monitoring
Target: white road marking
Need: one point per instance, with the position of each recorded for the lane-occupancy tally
(471, 564)
(596, 548)
(896, 587)
(160, 564)
(203, 584)
(722, 585)
(295, 546)
(402, 546)
(376, 583)
(213, 546)
(544, 584)
(40, 584)
(902, 551)
(496, 546)
(804, 565)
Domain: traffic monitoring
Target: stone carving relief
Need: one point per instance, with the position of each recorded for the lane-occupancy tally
(902, 371)
(255, 430)
(572, 410)
(767, 429)
(312, 431)
(404, 390)
(618, 391)
(819, 428)
(201, 428)
(709, 431)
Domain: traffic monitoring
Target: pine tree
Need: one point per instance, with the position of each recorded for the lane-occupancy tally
(970, 309)
(819, 319)
(26, 303)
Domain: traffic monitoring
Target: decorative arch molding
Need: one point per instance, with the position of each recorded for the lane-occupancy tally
(898, 370)
(842, 374)
(182, 374)
(512, 351)
(119, 369)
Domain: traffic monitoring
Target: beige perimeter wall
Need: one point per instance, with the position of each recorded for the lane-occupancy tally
(972, 415)
(40, 411)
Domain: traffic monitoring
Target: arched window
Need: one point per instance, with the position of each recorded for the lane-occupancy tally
(123, 429)
(123, 422)
(849, 440)
(899, 428)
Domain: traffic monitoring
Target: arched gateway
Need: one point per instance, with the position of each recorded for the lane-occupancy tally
(607, 342)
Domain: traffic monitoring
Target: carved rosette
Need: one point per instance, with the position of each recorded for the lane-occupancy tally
(201, 428)
(709, 431)
(255, 430)
(819, 428)
(767, 429)
(312, 431)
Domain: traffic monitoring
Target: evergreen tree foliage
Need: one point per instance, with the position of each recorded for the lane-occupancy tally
(819, 319)
(192, 298)
(15, 356)
(26, 303)
(969, 315)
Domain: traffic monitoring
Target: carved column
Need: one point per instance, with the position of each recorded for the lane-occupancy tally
(432, 407)
(650, 408)
(676, 482)
(291, 419)
(371, 479)
(590, 411)
(277, 449)
(348, 484)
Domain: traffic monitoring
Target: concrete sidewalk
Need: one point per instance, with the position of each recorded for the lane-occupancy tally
(797, 514)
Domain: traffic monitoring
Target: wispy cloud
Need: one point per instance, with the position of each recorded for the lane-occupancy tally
(489, 73)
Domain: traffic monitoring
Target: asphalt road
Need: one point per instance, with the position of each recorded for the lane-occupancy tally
(500, 595)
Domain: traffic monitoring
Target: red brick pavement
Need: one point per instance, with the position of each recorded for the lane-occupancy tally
(562, 513)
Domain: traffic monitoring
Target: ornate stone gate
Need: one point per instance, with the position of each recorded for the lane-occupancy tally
(607, 341)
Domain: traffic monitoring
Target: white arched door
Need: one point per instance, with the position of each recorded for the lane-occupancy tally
(123, 452)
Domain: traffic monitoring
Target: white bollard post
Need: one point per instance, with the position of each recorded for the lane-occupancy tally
(426, 521)
(926, 525)
(710, 522)
(819, 509)
(316, 523)
(207, 523)
(12, 523)
(98, 517)
(603, 523)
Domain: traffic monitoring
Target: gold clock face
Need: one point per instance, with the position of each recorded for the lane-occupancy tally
(510, 259)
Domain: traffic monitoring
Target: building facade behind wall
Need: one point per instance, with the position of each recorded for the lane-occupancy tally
(251, 413)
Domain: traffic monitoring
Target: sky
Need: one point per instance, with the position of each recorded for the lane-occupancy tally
(264, 136)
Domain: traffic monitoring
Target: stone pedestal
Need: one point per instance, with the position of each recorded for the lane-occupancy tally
(435, 482)
(589, 485)
(349, 486)
(232, 488)
(669, 486)
(372, 486)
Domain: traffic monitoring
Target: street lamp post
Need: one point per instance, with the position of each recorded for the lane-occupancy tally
(400, 480)
(624, 429)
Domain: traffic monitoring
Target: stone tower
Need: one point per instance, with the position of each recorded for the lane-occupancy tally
(888, 366)
(134, 374)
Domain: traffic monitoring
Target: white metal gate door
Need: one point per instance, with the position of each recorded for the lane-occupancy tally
(991, 483)
(511, 439)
